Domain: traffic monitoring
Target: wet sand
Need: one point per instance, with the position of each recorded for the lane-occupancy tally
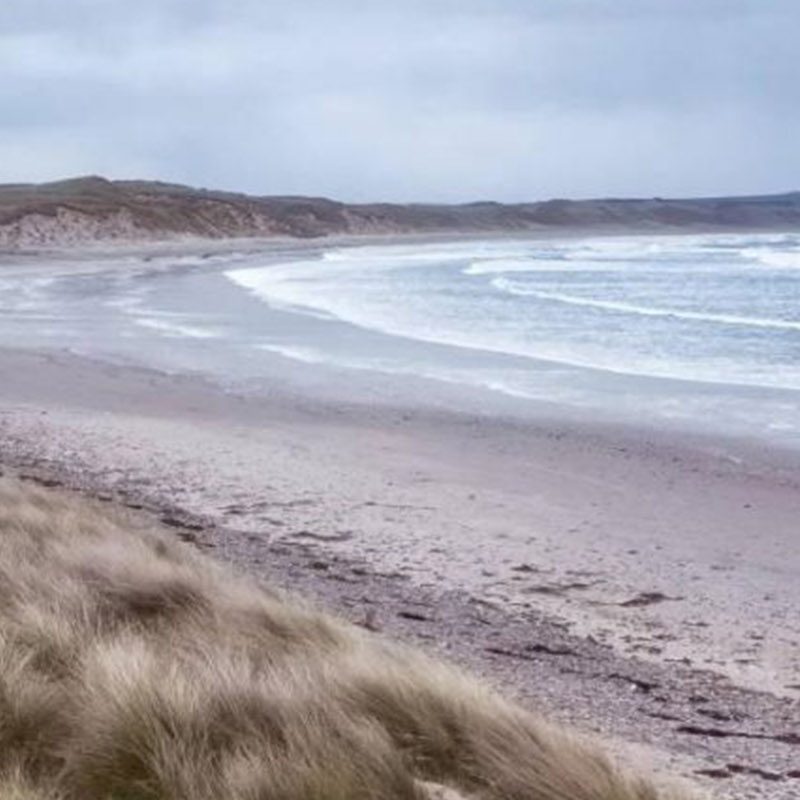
(640, 584)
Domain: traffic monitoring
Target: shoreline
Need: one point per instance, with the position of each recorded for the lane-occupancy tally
(584, 516)
(384, 510)
(448, 375)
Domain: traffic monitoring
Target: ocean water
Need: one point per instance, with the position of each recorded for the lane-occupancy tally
(690, 331)
(709, 309)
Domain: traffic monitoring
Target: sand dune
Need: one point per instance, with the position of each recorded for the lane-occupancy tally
(94, 209)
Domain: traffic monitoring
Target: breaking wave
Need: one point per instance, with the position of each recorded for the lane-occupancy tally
(505, 285)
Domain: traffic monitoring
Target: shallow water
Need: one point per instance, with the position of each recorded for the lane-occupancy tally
(692, 331)
(724, 309)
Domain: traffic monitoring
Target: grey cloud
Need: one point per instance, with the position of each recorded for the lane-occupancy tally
(415, 100)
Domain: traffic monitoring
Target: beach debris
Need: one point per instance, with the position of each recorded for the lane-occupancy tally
(715, 772)
(549, 650)
(558, 589)
(636, 683)
(792, 739)
(525, 568)
(663, 715)
(416, 616)
(46, 483)
(720, 716)
(337, 536)
(647, 599)
(529, 651)
(501, 651)
(731, 770)
(741, 769)
(175, 522)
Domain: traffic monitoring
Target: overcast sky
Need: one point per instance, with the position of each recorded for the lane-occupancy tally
(444, 100)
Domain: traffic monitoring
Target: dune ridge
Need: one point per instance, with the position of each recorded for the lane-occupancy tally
(132, 666)
(94, 209)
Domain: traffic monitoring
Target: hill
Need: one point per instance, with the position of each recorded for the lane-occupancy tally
(94, 209)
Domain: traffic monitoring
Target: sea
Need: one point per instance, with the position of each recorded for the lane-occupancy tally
(699, 331)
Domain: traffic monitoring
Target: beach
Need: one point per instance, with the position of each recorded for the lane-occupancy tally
(631, 577)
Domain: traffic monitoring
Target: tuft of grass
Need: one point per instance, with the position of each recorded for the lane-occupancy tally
(132, 667)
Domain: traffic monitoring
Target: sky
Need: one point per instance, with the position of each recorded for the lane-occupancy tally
(427, 100)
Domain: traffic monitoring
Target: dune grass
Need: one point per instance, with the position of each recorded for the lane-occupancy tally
(132, 667)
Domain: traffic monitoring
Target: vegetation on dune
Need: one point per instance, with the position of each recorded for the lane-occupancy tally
(94, 209)
(132, 667)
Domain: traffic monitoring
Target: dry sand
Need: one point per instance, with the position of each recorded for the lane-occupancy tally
(639, 586)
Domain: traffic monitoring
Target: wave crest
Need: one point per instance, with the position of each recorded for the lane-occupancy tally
(510, 287)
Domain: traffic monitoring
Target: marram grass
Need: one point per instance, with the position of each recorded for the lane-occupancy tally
(132, 667)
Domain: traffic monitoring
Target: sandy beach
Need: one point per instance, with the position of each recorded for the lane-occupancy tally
(400, 401)
(635, 583)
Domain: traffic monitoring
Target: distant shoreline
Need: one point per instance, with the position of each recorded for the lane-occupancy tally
(95, 209)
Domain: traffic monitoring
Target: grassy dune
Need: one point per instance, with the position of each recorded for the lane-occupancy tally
(94, 209)
(133, 667)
